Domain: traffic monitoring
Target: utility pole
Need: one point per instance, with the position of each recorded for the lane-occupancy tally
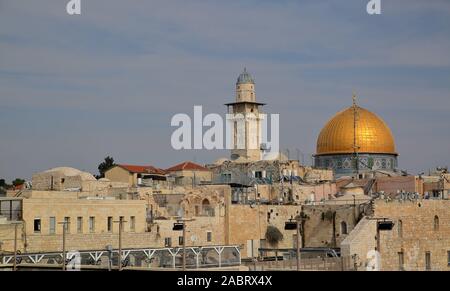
(15, 248)
(298, 243)
(184, 246)
(65, 225)
(121, 221)
(120, 243)
(181, 225)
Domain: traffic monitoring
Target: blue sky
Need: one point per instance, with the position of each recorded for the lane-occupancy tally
(74, 89)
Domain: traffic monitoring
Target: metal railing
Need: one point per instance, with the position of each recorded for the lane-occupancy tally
(306, 264)
(146, 258)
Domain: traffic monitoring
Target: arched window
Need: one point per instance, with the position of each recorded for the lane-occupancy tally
(343, 227)
(400, 228)
(205, 202)
(436, 223)
(206, 209)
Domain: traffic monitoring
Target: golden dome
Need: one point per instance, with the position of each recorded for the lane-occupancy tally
(372, 134)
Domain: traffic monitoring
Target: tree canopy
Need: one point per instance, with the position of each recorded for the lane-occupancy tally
(105, 165)
(273, 235)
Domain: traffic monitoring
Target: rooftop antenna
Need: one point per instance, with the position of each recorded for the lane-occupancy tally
(355, 146)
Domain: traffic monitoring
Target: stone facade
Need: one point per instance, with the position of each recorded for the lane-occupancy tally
(421, 229)
(70, 179)
(419, 239)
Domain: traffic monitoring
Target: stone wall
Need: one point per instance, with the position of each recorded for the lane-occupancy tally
(318, 231)
(359, 242)
(7, 236)
(417, 234)
(390, 185)
(62, 204)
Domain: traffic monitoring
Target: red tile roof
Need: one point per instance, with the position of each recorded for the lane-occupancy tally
(187, 166)
(142, 169)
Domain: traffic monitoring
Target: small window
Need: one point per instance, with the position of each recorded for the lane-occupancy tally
(37, 225)
(92, 224)
(427, 261)
(79, 224)
(209, 236)
(400, 228)
(132, 223)
(180, 240)
(110, 223)
(52, 225)
(343, 227)
(67, 224)
(436, 223)
(448, 258)
(168, 242)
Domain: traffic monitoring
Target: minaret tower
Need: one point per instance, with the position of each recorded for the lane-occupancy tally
(246, 136)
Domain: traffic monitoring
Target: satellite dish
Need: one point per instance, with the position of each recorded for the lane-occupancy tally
(193, 238)
(180, 212)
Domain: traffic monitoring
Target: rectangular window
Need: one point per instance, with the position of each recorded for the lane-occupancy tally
(110, 223)
(427, 261)
(92, 224)
(168, 242)
(132, 223)
(79, 224)
(258, 174)
(67, 224)
(37, 225)
(52, 225)
(448, 258)
(401, 261)
(180, 240)
(209, 236)
(226, 178)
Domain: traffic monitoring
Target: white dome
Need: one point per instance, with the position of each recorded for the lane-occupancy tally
(66, 171)
(70, 172)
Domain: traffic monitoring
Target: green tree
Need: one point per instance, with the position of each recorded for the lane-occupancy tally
(18, 181)
(105, 165)
(273, 235)
(3, 183)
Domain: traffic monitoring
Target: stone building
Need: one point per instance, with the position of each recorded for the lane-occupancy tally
(419, 238)
(189, 174)
(70, 179)
(137, 175)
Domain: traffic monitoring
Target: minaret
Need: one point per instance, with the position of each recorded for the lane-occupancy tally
(247, 120)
